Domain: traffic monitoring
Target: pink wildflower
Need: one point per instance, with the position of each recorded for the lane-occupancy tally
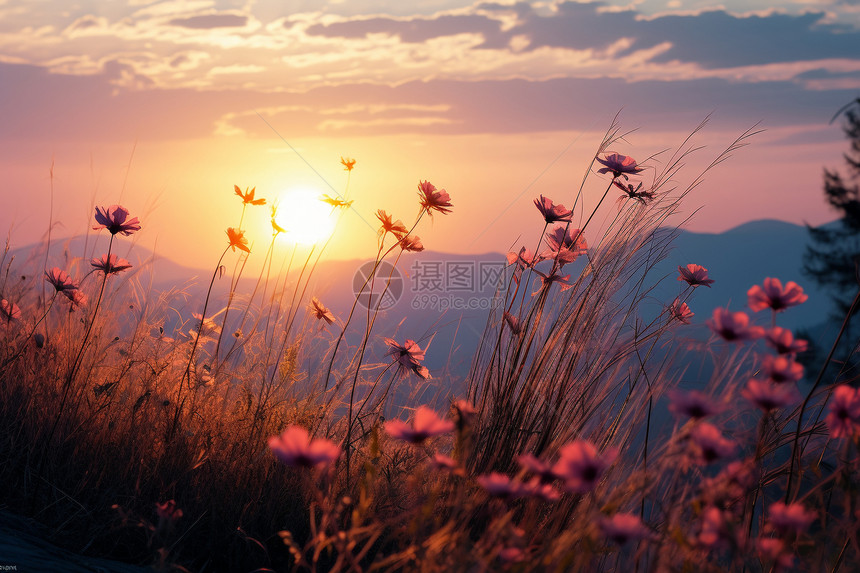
(110, 264)
(768, 395)
(783, 341)
(115, 220)
(774, 296)
(708, 443)
(9, 311)
(693, 404)
(695, 275)
(782, 368)
(433, 200)
(775, 549)
(635, 193)
(843, 421)
(681, 312)
(619, 165)
(168, 511)
(581, 466)
(552, 213)
(541, 469)
(547, 280)
(733, 326)
(713, 532)
(442, 462)
(320, 311)
(426, 424)
(789, 518)
(411, 244)
(60, 279)
(295, 447)
(624, 527)
(500, 485)
(565, 244)
(407, 356)
(537, 488)
(77, 298)
(396, 228)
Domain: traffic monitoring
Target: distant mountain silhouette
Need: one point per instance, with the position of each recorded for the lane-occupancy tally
(736, 259)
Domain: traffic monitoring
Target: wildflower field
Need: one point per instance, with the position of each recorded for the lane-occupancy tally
(263, 433)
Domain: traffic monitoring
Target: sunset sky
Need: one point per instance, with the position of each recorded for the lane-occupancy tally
(164, 106)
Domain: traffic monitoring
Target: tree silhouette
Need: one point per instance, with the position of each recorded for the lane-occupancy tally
(832, 257)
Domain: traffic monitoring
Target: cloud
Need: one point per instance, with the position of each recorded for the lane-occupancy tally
(210, 21)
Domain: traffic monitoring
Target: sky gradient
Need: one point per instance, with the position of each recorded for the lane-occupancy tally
(164, 106)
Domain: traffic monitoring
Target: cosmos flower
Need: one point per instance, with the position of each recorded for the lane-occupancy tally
(540, 468)
(396, 228)
(772, 295)
(782, 368)
(407, 356)
(552, 213)
(539, 489)
(500, 485)
(580, 465)
(787, 518)
(708, 443)
(619, 165)
(713, 532)
(695, 275)
(237, 240)
(843, 421)
(445, 463)
(769, 396)
(693, 404)
(624, 527)
(635, 193)
(347, 163)
(115, 220)
(775, 549)
(320, 311)
(565, 244)
(433, 200)
(547, 280)
(681, 312)
(9, 311)
(411, 244)
(426, 424)
(295, 448)
(61, 280)
(110, 264)
(335, 201)
(77, 298)
(248, 196)
(733, 326)
(783, 341)
(168, 511)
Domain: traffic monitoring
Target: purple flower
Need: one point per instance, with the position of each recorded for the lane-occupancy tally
(115, 220)
(294, 447)
(619, 165)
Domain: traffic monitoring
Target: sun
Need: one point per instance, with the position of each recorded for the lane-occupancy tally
(306, 219)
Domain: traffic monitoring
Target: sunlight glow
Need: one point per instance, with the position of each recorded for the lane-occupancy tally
(306, 219)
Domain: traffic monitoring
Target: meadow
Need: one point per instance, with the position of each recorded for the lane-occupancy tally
(261, 434)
